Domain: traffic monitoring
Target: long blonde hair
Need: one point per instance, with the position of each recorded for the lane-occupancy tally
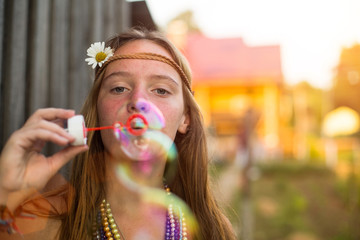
(191, 183)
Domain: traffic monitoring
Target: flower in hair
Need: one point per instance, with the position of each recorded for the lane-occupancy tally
(98, 54)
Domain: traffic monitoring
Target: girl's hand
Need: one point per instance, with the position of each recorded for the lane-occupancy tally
(22, 166)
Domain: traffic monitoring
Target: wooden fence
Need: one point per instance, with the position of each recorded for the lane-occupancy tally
(42, 50)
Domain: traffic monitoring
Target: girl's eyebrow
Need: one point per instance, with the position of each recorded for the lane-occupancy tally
(154, 76)
(164, 77)
(118, 73)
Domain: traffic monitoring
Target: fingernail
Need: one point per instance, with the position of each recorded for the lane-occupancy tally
(70, 111)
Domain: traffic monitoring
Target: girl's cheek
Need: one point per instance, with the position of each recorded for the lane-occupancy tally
(109, 111)
(104, 111)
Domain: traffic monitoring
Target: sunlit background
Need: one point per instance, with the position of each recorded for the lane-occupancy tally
(278, 83)
(311, 33)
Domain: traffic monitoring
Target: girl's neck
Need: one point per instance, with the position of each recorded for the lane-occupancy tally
(120, 192)
(131, 213)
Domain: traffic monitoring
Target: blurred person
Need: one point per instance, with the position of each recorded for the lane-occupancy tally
(144, 65)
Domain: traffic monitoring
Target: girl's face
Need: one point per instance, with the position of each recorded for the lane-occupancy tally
(126, 81)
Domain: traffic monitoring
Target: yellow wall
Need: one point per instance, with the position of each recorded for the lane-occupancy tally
(224, 106)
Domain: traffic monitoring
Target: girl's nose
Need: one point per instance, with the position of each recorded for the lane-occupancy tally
(138, 105)
(131, 107)
(136, 98)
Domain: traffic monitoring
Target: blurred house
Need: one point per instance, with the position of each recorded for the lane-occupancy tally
(231, 79)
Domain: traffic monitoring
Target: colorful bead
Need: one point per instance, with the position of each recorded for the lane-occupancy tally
(105, 227)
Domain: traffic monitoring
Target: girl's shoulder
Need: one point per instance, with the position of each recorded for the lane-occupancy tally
(51, 204)
(34, 228)
(40, 216)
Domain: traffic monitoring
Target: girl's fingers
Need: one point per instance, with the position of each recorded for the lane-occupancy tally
(50, 114)
(59, 159)
(31, 136)
(22, 164)
(52, 127)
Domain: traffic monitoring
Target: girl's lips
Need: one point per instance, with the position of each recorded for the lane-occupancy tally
(137, 124)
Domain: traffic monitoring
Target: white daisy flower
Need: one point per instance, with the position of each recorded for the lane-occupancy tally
(98, 54)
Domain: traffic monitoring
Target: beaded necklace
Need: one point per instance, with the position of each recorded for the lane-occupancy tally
(105, 227)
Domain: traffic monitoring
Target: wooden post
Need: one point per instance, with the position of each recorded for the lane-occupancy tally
(97, 21)
(79, 81)
(109, 18)
(39, 56)
(2, 25)
(123, 19)
(249, 123)
(59, 52)
(14, 88)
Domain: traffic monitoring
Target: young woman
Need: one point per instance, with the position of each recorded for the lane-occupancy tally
(145, 65)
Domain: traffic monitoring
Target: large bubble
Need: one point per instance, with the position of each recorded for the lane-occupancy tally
(152, 154)
(146, 158)
(148, 150)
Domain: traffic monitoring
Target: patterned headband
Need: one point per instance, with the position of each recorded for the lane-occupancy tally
(99, 55)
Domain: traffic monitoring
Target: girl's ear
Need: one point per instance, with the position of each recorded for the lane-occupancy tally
(185, 121)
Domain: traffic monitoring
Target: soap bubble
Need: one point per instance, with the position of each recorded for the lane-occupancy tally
(140, 138)
(149, 154)
(145, 154)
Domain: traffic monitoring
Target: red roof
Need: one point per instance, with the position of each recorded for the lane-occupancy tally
(230, 58)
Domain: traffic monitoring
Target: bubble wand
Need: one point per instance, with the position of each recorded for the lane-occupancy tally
(135, 125)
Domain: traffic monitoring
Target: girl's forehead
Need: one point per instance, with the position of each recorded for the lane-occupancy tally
(152, 69)
(141, 46)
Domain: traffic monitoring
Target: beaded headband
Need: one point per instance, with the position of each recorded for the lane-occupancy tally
(103, 56)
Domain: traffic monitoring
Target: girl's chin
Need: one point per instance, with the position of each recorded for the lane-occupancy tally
(115, 154)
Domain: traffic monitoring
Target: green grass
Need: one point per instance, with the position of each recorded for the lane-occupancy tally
(292, 198)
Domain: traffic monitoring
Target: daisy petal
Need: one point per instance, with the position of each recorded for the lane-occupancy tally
(94, 50)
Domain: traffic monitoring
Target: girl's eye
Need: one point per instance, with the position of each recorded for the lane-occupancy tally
(161, 91)
(118, 89)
